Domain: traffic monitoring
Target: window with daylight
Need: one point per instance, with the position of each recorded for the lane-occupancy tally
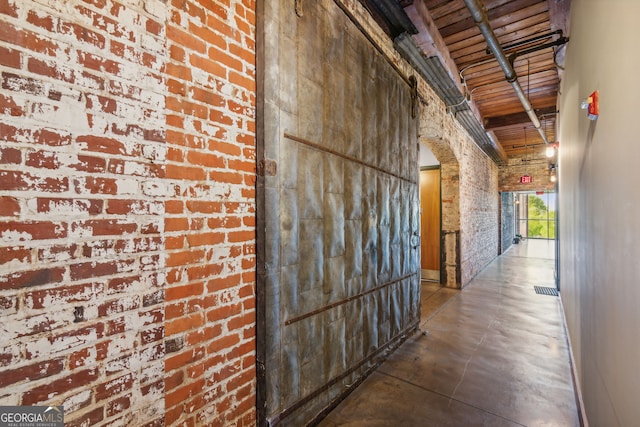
(536, 215)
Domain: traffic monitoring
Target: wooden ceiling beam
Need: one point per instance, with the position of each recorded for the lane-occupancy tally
(514, 119)
(513, 107)
(431, 42)
(505, 100)
(515, 132)
(559, 15)
(429, 38)
(514, 142)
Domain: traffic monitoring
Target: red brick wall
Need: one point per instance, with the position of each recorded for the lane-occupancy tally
(127, 209)
(210, 213)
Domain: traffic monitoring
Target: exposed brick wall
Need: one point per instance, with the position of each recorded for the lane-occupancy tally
(479, 200)
(83, 153)
(537, 166)
(210, 215)
(470, 198)
(127, 210)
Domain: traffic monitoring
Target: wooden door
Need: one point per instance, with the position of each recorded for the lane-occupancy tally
(430, 223)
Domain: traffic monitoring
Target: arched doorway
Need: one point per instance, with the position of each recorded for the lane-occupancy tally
(450, 266)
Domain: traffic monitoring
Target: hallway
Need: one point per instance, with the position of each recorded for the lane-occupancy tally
(494, 354)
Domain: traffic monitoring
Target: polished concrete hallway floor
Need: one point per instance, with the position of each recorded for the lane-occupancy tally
(493, 354)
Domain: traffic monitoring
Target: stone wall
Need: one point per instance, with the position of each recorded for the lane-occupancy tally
(127, 219)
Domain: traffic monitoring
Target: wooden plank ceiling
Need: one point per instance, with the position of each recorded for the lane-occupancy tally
(513, 22)
(519, 25)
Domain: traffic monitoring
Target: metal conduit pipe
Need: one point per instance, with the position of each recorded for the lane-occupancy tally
(477, 12)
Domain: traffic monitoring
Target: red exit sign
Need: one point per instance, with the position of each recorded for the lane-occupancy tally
(526, 179)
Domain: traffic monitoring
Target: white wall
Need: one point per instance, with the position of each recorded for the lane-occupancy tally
(600, 207)
(426, 157)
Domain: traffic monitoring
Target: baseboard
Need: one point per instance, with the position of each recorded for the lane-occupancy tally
(582, 414)
(430, 275)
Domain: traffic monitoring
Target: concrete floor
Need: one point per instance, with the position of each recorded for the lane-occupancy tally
(494, 354)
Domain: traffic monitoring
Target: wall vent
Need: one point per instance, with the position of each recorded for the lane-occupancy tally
(542, 290)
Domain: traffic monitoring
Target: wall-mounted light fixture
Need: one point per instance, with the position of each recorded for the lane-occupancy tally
(552, 172)
(551, 150)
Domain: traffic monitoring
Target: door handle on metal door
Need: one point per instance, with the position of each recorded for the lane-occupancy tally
(415, 239)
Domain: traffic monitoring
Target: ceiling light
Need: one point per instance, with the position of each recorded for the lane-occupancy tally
(551, 151)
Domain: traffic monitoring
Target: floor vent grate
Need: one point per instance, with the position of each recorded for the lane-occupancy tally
(541, 290)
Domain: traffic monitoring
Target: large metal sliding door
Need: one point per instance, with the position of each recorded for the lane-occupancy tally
(338, 209)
